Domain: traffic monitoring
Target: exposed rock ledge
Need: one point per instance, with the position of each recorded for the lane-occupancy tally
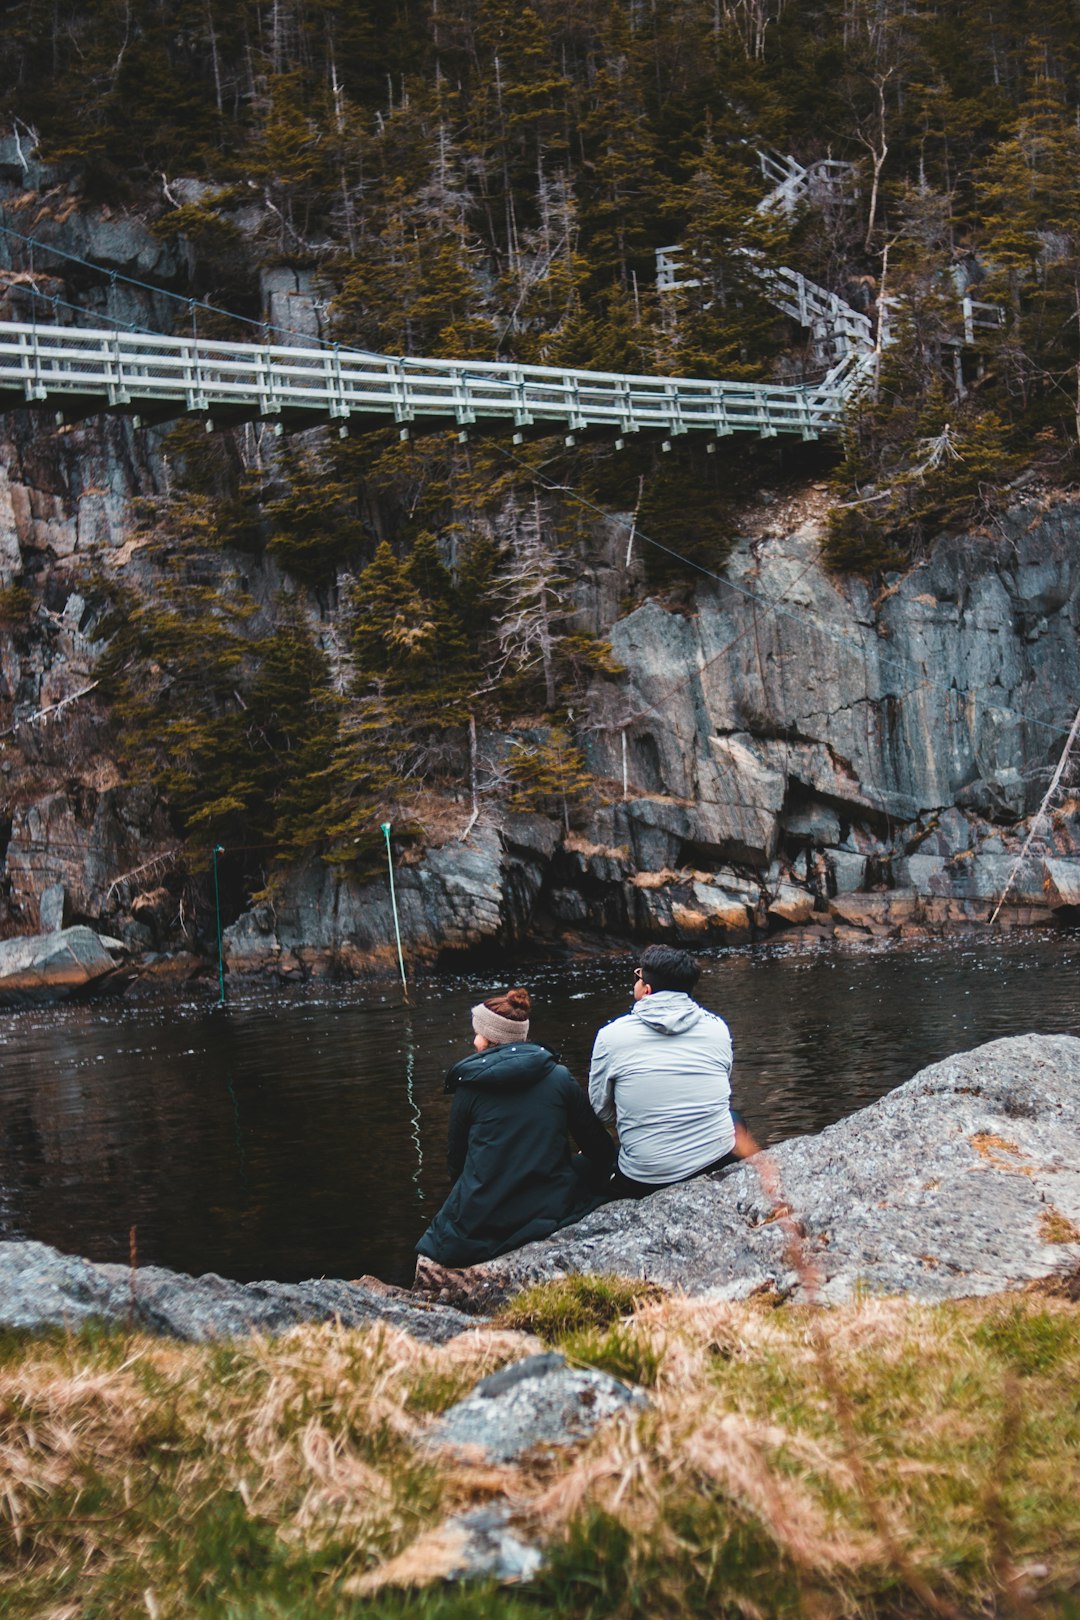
(966, 1180)
(39, 1288)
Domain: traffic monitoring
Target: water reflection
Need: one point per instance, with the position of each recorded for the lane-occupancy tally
(300, 1136)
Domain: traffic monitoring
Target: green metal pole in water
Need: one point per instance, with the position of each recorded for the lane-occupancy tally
(218, 850)
(385, 826)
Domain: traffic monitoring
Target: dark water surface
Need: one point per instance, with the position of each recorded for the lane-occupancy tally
(303, 1134)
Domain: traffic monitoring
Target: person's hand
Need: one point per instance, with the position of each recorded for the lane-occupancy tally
(745, 1144)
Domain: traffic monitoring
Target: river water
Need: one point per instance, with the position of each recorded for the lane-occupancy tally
(302, 1134)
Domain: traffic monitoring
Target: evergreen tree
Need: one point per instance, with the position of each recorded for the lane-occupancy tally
(548, 773)
(723, 322)
(619, 189)
(414, 673)
(314, 523)
(1031, 234)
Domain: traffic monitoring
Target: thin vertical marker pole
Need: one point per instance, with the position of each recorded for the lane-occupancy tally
(385, 826)
(218, 850)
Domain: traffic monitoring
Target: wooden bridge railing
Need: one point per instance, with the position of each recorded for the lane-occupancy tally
(154, 377)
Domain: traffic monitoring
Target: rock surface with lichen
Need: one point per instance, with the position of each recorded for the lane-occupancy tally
(42, 1288)
(963, 1181)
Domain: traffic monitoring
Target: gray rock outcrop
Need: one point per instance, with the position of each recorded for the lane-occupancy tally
(483, 1544)
(40, 1288)
(464, 894)
(535, 1404)
(840, 744)
(46, 967)
(964, 1181)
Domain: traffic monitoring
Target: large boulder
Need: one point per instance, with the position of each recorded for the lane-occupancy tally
(964, 1181)
(43, 967)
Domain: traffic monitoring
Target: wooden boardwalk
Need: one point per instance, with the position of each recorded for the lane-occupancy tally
(78, 371)
(75, 371)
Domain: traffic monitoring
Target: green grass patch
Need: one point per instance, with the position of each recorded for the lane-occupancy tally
(1028, 1341)
(576, 1304)
(617, 1350)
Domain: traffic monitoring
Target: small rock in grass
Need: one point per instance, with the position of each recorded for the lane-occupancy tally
(539, 1401)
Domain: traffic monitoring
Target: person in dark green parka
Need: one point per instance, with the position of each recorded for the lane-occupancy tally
(514, 1107)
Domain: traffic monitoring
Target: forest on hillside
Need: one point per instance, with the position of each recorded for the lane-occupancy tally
(486, 179)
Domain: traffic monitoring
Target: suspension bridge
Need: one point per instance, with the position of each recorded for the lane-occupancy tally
(76, 371)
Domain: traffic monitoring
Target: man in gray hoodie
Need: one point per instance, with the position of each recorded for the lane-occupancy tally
(661, 1074)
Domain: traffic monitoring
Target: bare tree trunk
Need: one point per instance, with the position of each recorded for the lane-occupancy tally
(881, 334)
(879, 151)
(473, 788)
(547, 652)
(214, 60)
(275, 37)
(339, 122)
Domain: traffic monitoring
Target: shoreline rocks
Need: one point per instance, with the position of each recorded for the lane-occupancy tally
(532, 888)
(964, 1181)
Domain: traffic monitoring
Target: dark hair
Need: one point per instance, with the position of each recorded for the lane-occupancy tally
(513, 1004)
(665, 968)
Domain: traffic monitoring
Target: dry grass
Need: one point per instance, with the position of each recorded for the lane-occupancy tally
(742, 1413)
(1054, 1227)
(933, 1463)
(155, 1457)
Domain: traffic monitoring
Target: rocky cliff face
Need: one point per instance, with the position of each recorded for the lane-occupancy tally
(66, 492)
(795, 752)
(798, 750)
(785, 749)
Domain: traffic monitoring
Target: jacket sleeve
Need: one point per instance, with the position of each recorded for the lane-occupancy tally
(602, 1082)
(457, 1144)
(586, 1129)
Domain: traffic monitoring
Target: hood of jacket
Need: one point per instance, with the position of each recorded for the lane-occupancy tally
(503, 1068)
(669, 1012)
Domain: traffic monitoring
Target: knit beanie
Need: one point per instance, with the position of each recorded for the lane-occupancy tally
(502, 1019)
